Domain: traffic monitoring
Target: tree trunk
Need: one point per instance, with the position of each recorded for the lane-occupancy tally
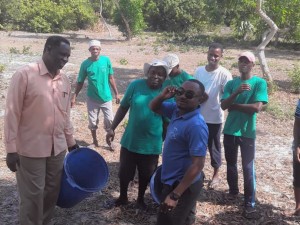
(268, 35)
(102, 18)
(128, 32)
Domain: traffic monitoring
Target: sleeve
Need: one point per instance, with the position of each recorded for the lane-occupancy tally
(126, 100)
(82, 73)
(198, 137)
(168, 109)
(227, 90)
(109, 66)
(297, 112)
(227, 77)
(69, 130)
(14, 105)
(261, 92)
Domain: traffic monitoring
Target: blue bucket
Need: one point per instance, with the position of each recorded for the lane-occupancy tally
(85, 172)
(156, 186)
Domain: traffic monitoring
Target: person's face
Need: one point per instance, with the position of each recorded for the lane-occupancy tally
(189, 96)
(95, 51)
(175, 71)
(58, 56)
(245, 66)
(214, 56)
(156, 76)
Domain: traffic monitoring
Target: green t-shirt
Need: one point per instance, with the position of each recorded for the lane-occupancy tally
(179, 79)
(143, 133)
(98, 73)
(239, 123)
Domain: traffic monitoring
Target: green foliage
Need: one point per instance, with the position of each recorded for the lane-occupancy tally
(129, 17)
(174, 15)
(123, 61)
(294, 75)
(2, 67)
(14, 50)
(25, 50)
(272, 87)
(47, 16)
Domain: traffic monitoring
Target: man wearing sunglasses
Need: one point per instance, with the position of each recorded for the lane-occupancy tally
(243, 98)
(184, 152)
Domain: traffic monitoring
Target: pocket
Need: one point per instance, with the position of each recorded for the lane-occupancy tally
(63, 98)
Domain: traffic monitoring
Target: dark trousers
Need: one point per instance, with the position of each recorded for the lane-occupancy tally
(247, 146)
(129, 162)
(296, 171)
(184, 212)
(214, 144)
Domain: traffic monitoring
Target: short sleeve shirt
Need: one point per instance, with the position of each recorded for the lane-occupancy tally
(186, 137)
(143, 132)
(214, 83)
(179, 79)
(97, 73)
(239, 123)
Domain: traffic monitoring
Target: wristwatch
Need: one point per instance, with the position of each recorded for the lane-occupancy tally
(174, 196)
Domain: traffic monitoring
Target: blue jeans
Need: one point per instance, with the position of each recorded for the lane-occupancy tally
(247, 146)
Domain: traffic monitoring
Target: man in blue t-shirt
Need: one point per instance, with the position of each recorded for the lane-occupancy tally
(184, 152)
(243, 97)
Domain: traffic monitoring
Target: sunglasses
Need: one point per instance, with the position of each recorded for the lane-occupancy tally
(188, 94)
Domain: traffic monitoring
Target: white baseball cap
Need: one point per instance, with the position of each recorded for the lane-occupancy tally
(156, 62)
(172, 60)
(94, 43)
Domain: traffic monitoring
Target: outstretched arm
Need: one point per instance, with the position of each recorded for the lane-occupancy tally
(110, 135)
(78, 88)
(114, 87)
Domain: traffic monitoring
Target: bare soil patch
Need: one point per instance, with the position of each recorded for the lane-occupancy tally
(273, 157)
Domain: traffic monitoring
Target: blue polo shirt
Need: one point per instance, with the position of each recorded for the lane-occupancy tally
(187, 136)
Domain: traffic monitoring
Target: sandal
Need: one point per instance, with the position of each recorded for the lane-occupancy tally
(214, 183)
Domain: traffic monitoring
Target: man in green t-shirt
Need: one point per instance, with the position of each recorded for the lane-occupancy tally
(177, 76)
(243, 98)
(141, 142)
(98, 70)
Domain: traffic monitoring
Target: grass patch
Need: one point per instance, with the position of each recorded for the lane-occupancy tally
(295, 77)
(123, 61)
(2, 68)
(279, 110)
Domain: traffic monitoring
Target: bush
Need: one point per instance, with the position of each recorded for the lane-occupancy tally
(295, 77)
(48, 16)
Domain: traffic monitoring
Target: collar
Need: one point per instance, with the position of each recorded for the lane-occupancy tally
(44, 71)
(189, 114)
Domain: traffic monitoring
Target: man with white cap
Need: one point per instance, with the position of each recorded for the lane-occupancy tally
(177, 75)
(243, 98)
(141, 143)
(214, 77)
(99, 72)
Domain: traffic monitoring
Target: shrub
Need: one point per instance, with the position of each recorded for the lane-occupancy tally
(295, 77)
(2, 68)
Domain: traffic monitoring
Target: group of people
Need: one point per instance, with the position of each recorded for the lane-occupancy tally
(168, 106)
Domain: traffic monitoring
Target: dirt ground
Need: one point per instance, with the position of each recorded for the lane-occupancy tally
(274, 136)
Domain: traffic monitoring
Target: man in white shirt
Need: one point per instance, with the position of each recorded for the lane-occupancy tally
(214, 77)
